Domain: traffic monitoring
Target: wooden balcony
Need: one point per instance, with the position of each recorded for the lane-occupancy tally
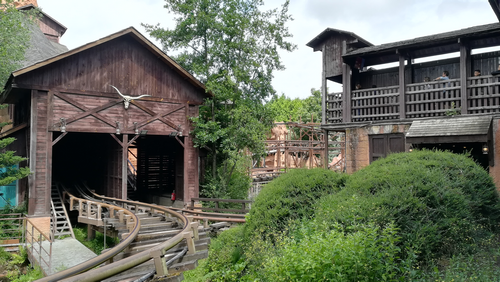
(421, 100)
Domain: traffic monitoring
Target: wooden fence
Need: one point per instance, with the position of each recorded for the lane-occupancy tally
(427, 99)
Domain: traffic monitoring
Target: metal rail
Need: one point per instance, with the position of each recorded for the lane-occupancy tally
(39, 250)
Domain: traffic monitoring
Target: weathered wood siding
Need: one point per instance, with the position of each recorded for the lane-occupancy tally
(51, 29)
(89, 113)
(486, 63)
(334, 48)
(122, 62)
(39, 195)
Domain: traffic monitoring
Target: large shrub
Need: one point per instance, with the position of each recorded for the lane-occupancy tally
(291, 196)
(441, 202)
(367, 254)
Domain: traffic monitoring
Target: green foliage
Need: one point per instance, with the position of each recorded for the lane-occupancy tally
(32, 274)
(226, 257)
(9, 161)
(231, 46)
(364, 253)
(97, 244)
(17, 267)
(14, 37)
(291, 196)
(285, 109)
(443, 203)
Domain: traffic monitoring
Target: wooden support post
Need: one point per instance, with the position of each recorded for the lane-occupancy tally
(160, 262)
(33, 132)
(124, 166)
(205, 223)
(464, 66)
(190, 242)
(402, 87)
(324, 90)
(90, 232)
(194, 228)
(186, 193)
(99, 212)
(346, 95)
(325, 137)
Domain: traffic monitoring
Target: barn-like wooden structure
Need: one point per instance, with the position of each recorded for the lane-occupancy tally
(394, 109)
(73, 126)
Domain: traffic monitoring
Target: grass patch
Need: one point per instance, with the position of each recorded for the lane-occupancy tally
(97, 244)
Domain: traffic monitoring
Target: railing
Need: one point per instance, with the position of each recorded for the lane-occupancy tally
(12, 231)
(243, 203)
(35, 239)
(430, 99)
(483, 94)
(91, 212)
(427, 99)
(375, 104)
(157, 253)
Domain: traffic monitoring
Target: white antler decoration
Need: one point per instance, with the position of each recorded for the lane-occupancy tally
(127, 99)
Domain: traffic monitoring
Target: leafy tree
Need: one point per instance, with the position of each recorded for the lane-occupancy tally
(285, 109)
(14, 37)
(231, 46)
(14, 40)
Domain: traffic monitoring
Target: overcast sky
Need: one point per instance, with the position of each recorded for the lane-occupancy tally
(378, 21)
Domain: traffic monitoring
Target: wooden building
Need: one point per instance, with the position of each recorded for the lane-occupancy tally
(399, 108)
(73, 126)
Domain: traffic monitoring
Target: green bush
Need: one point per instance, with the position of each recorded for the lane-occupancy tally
(367, 254)
(291, 196)
(226, 258)
(442, 203)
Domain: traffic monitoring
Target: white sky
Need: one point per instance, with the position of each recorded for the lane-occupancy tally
(378, 21)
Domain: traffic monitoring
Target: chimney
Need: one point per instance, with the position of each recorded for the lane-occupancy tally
(22, 3)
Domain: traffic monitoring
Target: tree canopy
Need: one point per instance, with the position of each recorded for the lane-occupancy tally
(231, 46)
(284, 108)
(14, 38)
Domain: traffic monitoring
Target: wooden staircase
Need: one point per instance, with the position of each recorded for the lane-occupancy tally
(59, 221)
(154, 230)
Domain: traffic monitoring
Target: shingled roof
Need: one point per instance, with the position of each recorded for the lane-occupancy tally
(329, 32)
(435, 39)
(41, 48)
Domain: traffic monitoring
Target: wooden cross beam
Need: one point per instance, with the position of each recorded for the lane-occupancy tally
(87, 111)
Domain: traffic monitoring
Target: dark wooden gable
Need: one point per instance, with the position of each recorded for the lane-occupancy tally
(123, 62)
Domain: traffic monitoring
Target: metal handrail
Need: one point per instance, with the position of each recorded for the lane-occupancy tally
(157, 253)
(30, 242)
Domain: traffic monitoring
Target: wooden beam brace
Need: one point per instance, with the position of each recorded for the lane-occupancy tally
(132, 140)
(86, 110)
(117, 140)
(161, 117)
(179, 140)
(59, 138)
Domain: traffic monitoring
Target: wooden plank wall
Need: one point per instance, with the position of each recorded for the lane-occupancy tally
(39, 192)
(122, 62)
(333, 56)
(51, 29)
(486, 62)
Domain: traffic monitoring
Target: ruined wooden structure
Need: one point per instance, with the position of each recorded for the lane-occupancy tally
(379, 117)
(73, 126)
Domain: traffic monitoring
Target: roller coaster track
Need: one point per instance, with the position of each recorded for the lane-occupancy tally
(126, 217)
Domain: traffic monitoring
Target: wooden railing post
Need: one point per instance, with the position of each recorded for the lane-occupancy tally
(160, 262)
(194, 228)
(190, 242)
(464, 66)
(402, 87)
